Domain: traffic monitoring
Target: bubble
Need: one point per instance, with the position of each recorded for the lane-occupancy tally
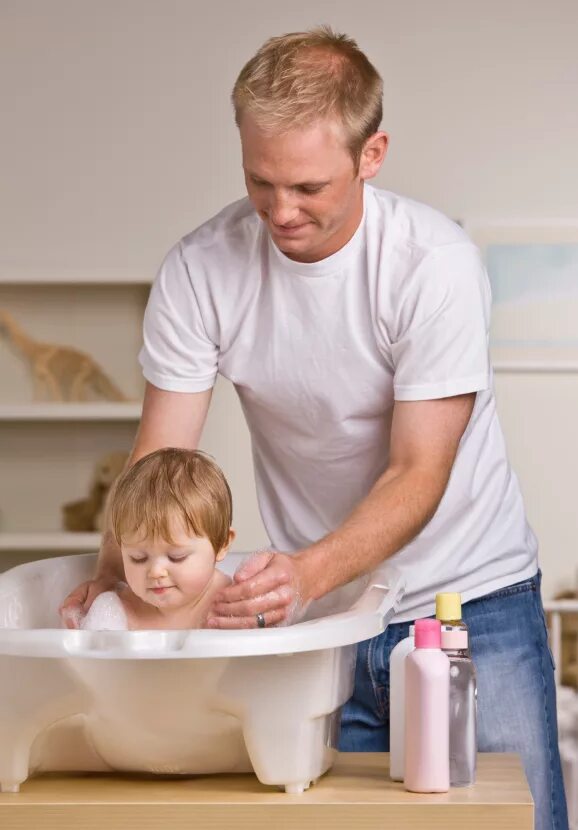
(106, 614)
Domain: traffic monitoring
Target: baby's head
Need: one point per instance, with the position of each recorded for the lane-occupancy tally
(171, 515)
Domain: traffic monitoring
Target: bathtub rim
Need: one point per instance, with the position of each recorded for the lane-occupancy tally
(366, 618)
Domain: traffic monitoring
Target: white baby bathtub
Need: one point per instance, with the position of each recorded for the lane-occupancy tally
(176, 702)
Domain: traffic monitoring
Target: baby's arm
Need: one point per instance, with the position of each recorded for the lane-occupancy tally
(106, 614)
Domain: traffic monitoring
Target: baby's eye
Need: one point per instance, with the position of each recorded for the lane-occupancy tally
(178, 558)
(138, 561)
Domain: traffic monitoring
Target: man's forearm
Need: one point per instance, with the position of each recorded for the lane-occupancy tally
(392, 514)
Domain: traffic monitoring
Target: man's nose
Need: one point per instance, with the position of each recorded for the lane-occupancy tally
(282, 209)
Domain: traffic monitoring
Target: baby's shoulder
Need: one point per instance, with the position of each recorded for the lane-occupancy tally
(221, 580)
(106, 614)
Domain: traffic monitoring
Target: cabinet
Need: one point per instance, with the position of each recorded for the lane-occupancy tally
(355, 793)
(48, 450)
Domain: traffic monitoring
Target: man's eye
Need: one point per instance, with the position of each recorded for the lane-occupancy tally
(309, 191)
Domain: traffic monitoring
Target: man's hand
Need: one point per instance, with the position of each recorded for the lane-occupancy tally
(76, 605)
(267, 583)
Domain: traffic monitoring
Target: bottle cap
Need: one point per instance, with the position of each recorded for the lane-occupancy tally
(428, 634)
(448, 607)
(454, 639)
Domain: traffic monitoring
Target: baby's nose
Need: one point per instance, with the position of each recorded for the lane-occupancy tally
(157, 570)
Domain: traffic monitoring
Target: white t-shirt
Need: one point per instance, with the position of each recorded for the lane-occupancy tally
(319, 352)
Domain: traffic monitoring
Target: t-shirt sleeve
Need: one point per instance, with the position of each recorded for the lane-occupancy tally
(177, 353)
(442, 326)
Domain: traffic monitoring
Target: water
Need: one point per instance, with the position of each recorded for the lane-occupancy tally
(463, 732)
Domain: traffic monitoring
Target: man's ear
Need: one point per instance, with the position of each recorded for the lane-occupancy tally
(224, 550)
(372, 155)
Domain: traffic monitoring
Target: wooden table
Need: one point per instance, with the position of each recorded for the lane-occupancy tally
(355, 795)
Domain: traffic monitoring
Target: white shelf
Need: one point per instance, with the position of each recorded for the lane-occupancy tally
(536, 367)
(98, 411)
(37, 275)
(55, 541)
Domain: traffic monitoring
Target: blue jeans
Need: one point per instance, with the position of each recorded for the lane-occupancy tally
(516, 693)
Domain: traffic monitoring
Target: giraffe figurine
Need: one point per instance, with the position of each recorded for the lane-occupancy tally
(60, 373)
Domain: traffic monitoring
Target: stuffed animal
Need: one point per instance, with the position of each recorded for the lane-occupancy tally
(60, 373)
(87, 514)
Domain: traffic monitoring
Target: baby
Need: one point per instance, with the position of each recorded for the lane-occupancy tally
(171, 515)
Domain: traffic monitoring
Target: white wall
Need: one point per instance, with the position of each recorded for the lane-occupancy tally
(118, 137)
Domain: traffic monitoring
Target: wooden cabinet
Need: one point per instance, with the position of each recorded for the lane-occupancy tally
(356, 794)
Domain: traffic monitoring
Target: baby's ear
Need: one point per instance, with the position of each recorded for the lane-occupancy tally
(224, 550)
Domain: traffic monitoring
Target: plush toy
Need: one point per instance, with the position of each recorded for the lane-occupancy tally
(88, 514)
(60, 373)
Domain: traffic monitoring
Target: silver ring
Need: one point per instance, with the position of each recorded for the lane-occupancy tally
(261, 620)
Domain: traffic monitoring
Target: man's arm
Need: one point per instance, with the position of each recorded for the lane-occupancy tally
(169, 419)
(425, 436)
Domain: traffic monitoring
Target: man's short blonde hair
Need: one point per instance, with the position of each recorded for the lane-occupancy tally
(297, 79)
(168, 486)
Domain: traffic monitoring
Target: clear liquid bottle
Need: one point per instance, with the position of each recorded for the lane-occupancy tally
(462, 725)
(449, 611)
(463, 692)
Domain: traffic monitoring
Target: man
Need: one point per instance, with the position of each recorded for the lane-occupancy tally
(354, 325)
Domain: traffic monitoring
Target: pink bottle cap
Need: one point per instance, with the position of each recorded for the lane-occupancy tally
(428, 634)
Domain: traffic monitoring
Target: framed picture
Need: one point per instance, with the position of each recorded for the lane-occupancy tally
(533, 270)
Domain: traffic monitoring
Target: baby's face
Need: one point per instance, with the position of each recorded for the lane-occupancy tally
(169, 575)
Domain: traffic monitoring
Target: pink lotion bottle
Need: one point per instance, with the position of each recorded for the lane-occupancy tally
(427, 709)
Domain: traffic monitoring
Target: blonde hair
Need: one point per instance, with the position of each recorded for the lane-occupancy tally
(172, 484)
(297, 79)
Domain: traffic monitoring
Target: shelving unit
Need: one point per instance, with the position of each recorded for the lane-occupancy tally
(22, 274)
(53, 542)
(49, 449)
(70, 412)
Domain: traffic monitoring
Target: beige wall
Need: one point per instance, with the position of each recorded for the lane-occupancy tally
(117, 138)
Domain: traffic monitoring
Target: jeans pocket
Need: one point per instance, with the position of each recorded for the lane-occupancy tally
(542, 618)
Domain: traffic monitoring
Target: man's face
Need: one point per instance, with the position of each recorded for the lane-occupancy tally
(304, 186)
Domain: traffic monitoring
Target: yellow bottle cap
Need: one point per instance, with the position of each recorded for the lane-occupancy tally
(448, 607)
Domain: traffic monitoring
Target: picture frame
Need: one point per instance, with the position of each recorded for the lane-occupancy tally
(533, 271)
